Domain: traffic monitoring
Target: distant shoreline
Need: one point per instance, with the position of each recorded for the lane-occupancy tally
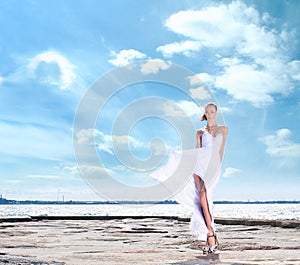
(4, 201)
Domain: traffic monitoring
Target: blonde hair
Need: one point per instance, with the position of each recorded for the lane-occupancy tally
(203, 117)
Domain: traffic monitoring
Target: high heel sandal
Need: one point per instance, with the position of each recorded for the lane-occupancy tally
(211, 249)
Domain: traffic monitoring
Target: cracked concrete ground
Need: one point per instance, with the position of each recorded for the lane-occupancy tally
(141, 241)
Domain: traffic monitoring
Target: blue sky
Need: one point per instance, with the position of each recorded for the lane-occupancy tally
(51, 52)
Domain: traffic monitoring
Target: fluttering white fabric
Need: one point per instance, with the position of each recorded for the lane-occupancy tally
(204, 162)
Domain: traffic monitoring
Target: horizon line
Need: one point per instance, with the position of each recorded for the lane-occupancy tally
(3, 200)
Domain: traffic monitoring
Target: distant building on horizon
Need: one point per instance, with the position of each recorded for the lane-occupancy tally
(5, 201)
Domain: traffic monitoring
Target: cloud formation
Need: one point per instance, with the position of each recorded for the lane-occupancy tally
(51, 68)
(280, 145)
(252, 60)
(125, 57)
(154, 66)
(106, 142)
(230, 172)
(188, 108)
(40, 176)
(187, 48)
(198, 88)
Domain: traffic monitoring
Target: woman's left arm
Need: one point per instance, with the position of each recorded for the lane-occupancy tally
(224, 132)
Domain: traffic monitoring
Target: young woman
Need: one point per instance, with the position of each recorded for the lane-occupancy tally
(198, 192)
(212, 137)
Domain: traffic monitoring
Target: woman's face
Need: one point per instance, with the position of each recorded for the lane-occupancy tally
(210, 112)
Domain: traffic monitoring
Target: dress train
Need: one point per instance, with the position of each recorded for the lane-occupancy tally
(180, 168)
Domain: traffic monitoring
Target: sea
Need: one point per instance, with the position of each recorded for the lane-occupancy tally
(272, 211)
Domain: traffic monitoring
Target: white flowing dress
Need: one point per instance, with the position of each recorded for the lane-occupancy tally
(207, 166)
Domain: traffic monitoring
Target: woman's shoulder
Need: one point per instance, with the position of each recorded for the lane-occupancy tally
(223, 129)
(200, 131)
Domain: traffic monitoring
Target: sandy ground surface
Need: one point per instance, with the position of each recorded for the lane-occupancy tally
(141, 241)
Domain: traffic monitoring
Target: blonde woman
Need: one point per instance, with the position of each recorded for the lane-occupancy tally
(198, 191)
(213, 137)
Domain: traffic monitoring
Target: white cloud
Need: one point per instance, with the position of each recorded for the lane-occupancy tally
(123, 149)
(125, 57)
(280, 145)
(294, 69)
(187, 48)
(123, 141)
(253, 73)
(181, 109)
(94, 137)
(214, 26)
(200, 90)
(94, 172)
(154, 66)
(231, 172)
(45, 177)
(225, 109)
(190, 107)
(247, 82)
(1, 80)
(200, 93)
(200, 78)
(106, 142)
(52, 68)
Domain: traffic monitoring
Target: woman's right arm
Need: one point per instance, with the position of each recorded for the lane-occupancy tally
(199, 137)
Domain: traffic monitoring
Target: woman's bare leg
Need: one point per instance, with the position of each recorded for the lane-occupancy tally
(205, 208)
